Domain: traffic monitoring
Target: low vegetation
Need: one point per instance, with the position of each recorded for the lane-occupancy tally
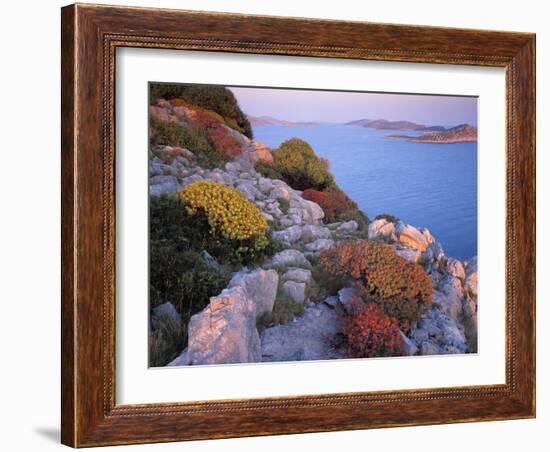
(386, 216)
(370, 332)
(285, 310)
(295, 162)
(237, 230)
(194, 138)
(166, 340)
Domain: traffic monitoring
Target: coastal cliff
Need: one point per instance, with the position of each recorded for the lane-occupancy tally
(284, 281)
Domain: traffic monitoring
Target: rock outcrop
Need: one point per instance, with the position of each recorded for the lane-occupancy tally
(410, 236)
(310, 337)
(260, 286)
(382, 228)
(224, 332)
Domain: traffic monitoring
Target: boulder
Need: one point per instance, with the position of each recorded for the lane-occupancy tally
(279, 191)
(248, 190)
(350, 299)
(312, 232)
(224, 332)
(295, 290)
(311, 212)
(265, 185)
(449, 296)
(427, 235)
(160, 185)
(455, 268)
(437, 333)
(347, 227)
(410, 254)
(408, 347)
(436, 250)
(309, 337)
(298, 275)
(190, 179)
(449, 302)
(382, 228)
(215, 177)
(233, 167)
(429, 348)
(412, 237)
(320, 245)
(289, 235)
(470, 282)
(260, 286)
(259, 151)
(158, 170)
(290, 258)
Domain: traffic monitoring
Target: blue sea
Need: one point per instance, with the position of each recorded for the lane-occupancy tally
(424, 184)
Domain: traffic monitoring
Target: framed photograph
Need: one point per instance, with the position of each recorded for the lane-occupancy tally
(281, 225)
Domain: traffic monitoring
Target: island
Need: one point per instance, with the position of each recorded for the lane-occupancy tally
(459, 134)
(384, 124)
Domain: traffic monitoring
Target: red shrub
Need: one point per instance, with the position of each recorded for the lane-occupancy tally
(371, 333)
(325, 202)
(336, 205)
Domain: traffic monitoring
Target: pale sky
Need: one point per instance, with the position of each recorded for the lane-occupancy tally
(341, 106)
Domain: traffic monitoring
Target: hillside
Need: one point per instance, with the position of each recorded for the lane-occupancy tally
(257, 255)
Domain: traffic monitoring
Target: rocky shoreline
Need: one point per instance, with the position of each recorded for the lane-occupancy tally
(226, 332)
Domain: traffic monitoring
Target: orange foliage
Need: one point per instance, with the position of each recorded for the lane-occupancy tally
(402, 287)
(220, 135)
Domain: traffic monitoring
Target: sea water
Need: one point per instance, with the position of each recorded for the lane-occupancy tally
(424, 184)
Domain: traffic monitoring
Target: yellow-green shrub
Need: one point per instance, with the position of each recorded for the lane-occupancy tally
(234, 222)
(295, 163)
(228, 212)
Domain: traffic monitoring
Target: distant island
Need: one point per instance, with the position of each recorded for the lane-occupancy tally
(270, 121)
(384, 124)
(458, 134)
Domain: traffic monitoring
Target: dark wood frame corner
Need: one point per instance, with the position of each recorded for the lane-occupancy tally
(90, 36)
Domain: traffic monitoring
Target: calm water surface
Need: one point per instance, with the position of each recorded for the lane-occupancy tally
(426, 185)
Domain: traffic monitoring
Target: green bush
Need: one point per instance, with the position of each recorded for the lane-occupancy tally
(166, 340)
(177, 271)
(284, 205)
(295, 163)
(193, 138)
(215, 98)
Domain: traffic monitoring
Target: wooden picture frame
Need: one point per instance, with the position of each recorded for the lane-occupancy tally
(90, 36)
